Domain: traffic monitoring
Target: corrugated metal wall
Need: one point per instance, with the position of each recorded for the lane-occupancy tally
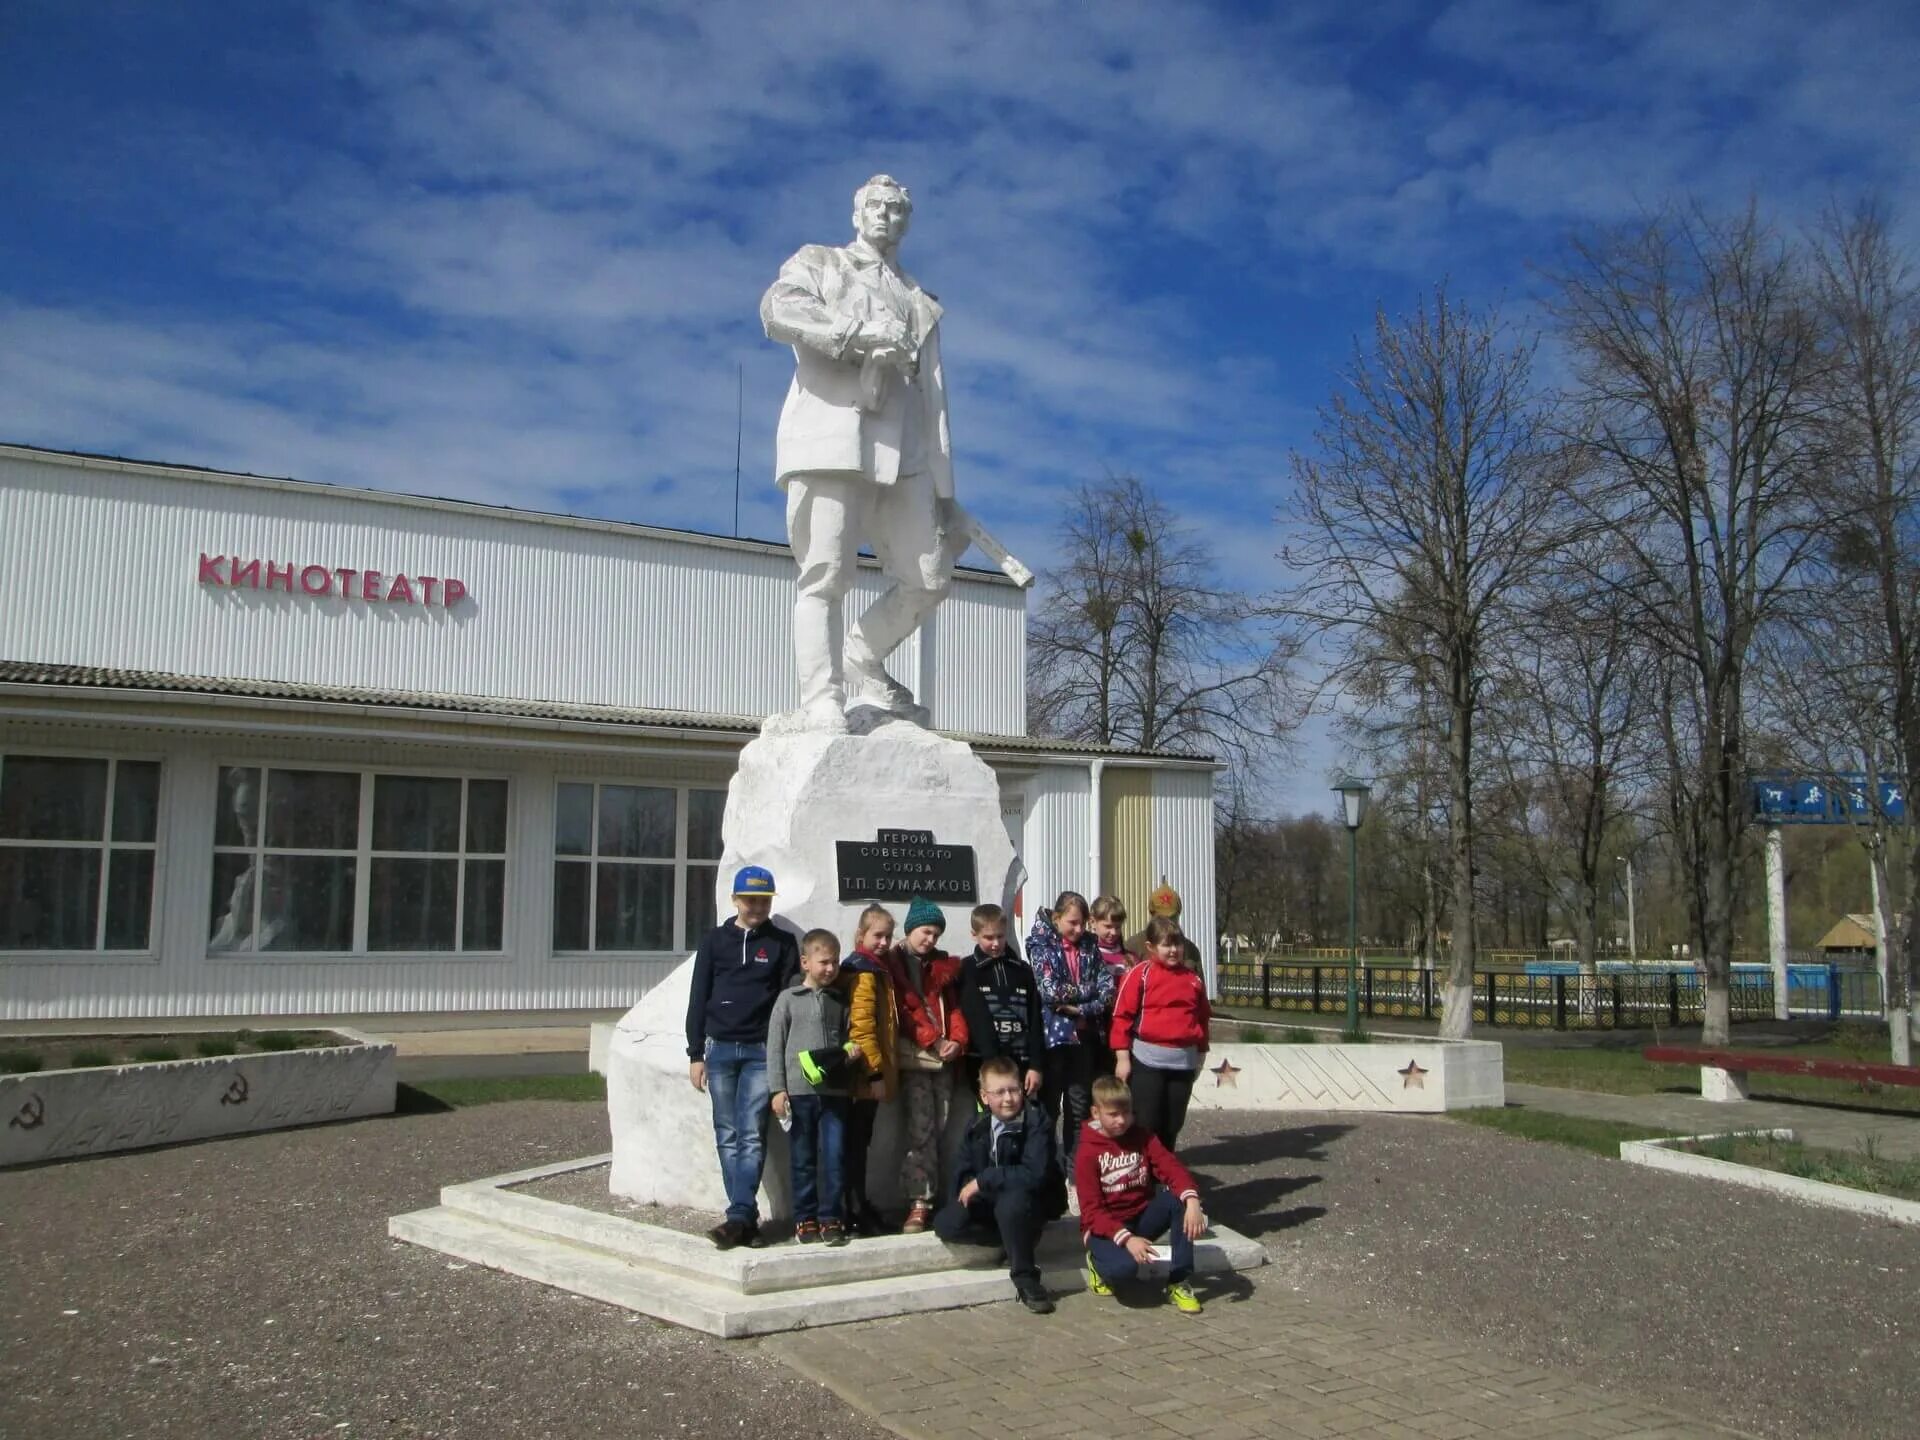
(556, 612)
(1058, 841)
(1183, 852)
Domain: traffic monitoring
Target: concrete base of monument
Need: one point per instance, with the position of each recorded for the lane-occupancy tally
(1389, 1073)
(681, 1278)
(794, 800)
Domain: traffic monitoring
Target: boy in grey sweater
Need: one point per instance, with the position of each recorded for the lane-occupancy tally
(809, 1056)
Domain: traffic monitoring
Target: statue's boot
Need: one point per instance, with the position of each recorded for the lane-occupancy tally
(869, 685)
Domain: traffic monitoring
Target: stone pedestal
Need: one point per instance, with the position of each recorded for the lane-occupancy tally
(793, 797)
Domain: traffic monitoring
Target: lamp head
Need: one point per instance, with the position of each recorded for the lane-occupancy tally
(1353, 793)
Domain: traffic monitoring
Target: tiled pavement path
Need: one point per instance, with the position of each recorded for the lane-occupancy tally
(1262, 1361)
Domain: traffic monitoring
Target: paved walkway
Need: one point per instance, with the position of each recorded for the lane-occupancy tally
(1894, 1136)
(1263, 1361)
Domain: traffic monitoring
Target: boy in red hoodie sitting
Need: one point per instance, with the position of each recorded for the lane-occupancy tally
(1132, 1190)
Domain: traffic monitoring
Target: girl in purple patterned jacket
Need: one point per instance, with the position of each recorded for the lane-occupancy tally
(1076, 999)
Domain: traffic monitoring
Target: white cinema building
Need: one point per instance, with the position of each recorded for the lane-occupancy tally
(278, 748)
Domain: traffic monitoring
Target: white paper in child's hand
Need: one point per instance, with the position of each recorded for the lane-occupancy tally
(1160, 1255)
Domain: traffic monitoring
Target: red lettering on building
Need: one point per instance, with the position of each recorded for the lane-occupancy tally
(318, 580)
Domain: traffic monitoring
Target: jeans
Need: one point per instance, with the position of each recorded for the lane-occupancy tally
(737, 1086)
(1163, 1213)
(1012, 1220)
(817, 1145)
(1068, 1094)
(1160, 1100)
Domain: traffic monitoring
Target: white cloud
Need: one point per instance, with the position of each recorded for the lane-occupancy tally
(514, 251)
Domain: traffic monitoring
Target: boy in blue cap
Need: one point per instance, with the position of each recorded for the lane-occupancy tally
(739, 970)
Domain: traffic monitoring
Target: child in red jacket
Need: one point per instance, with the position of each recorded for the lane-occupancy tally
(1132, 1191)
(1160, 1018)
(933, 1037)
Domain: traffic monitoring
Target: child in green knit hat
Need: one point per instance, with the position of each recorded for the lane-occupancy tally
(933, 1037)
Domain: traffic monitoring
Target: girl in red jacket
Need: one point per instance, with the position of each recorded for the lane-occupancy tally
(1160, 1031)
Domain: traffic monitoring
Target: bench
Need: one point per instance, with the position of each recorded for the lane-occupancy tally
(1723, 1073)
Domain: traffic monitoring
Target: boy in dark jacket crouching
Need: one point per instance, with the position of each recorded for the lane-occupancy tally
(1007, 1180)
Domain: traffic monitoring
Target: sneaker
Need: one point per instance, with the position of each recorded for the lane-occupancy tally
(919, 1215)
(753, 1238)
(832, 1232)
(1183, 1298)
(807, 1232)
(1095, 1284)
(1034, 1296)
(727, 1234)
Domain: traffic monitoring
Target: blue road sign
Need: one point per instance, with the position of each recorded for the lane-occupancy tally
(1838, 800)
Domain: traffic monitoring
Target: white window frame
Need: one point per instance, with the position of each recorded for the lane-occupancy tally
(593, 860)
(363, 855)
(106, 845)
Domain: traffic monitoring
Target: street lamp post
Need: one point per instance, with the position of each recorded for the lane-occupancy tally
(1633, 941)
(1353, 794)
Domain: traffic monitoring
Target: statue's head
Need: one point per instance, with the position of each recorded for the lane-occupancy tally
(881, 210)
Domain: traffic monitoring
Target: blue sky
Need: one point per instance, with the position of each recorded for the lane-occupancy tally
(514, 252)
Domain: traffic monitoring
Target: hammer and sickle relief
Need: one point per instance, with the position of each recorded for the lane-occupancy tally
(236, 1092)
(32, 1115)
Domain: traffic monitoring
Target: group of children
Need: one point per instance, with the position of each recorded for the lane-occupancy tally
(1100, 1038)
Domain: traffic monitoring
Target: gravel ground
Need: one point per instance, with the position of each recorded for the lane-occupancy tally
(1777, 1318)
(246, 1288)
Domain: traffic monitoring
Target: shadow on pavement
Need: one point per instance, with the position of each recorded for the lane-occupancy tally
(1299, 1142)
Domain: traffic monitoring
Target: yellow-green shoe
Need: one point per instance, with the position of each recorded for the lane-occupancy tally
(1095, 1283)
(1184, 1300)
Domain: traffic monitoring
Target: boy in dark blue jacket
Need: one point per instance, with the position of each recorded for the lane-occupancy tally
(1007, 1180)
(739, 970)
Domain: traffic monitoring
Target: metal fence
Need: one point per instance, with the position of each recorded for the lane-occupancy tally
(1607, 1001)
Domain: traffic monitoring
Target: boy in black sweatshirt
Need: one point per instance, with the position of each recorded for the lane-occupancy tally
(1001, 1001)
(739, 970)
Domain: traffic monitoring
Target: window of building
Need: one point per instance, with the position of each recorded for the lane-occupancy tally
(341, 862)
(633, 866)
(78, 840)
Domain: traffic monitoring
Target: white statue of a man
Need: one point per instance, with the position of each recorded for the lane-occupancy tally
(863, 453)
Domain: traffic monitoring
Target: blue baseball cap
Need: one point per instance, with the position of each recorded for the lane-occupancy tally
(753, 880)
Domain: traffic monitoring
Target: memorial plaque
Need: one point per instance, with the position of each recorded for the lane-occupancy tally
(900, 864)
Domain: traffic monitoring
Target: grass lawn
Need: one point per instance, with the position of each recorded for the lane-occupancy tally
(1856, 1170)
(1602, 1137)
(1623, 1072)
(458, 1094)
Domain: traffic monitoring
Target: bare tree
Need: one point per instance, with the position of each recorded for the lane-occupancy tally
(1573, 718)
(1699, 366)
(1136, 644)
(1868, 619)
(1422, 507)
